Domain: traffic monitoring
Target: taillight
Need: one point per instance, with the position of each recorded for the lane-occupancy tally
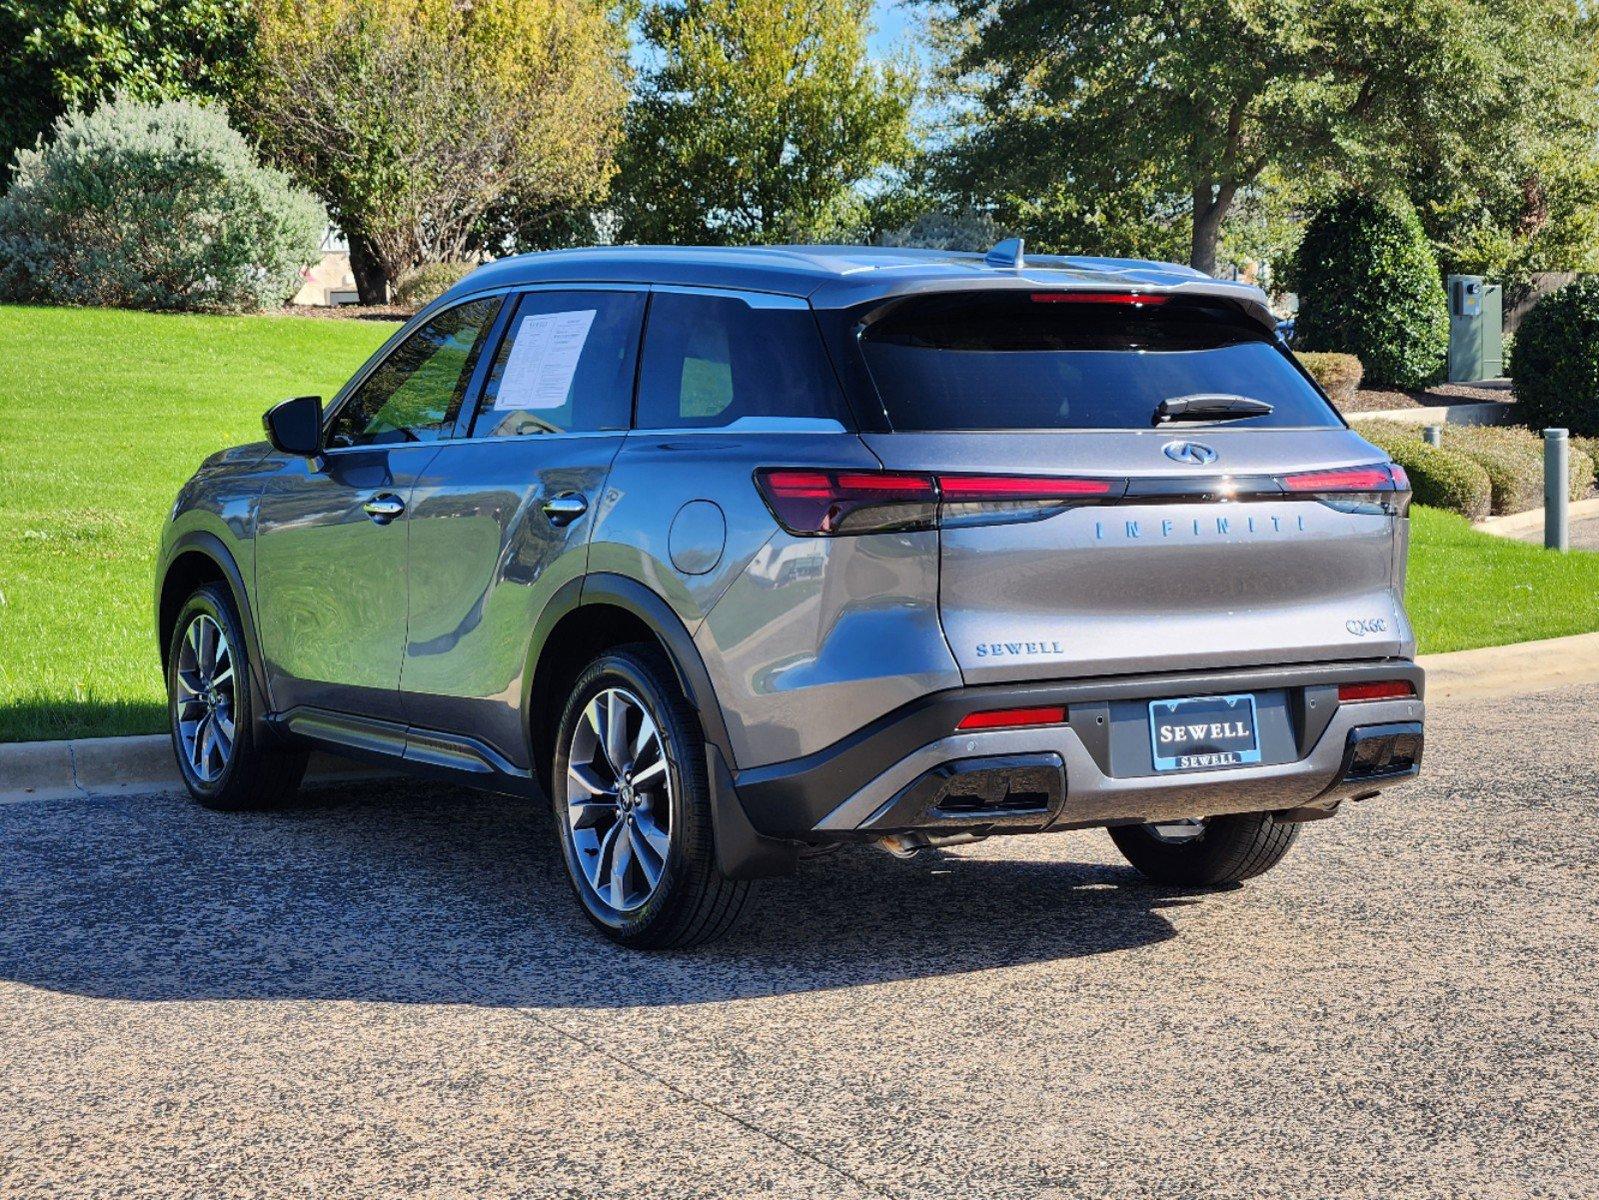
(1014, 718)
(834, 502)
(1387, 689)
(813, 502)
(1377, 486)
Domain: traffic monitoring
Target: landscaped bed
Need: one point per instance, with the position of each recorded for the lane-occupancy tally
(104, 414)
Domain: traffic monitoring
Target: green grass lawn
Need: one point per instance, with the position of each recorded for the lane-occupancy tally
(104, 414)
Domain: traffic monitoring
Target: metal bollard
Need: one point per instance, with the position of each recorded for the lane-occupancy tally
(1556, 489)
(1433, 435)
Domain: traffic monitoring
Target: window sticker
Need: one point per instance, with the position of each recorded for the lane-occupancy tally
(543, 359)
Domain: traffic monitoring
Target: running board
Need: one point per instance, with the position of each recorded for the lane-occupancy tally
(410, 748)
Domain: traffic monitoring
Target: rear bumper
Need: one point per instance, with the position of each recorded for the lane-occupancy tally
(912, 770)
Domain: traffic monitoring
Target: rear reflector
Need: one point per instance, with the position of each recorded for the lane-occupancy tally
(1387, 689)
(1136, 299)
(1013, 718)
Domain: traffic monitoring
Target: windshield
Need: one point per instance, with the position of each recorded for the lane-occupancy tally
(1053, 360)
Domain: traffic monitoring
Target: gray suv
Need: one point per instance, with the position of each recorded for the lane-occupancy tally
(738, 554)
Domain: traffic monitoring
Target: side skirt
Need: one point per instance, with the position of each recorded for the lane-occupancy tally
(409, 748)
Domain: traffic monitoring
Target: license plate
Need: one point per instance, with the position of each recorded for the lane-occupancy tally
(1203, 732)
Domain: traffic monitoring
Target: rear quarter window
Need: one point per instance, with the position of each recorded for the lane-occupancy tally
(710, 360)
(1022, 360)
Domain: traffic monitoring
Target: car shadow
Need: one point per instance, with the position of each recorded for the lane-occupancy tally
(404, 892)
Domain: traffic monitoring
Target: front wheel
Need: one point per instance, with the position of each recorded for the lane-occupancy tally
(209, 712)
(632, 806)
(1208, 852)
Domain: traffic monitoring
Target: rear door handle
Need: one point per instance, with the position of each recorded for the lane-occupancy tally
(564, 509)
(384, 507)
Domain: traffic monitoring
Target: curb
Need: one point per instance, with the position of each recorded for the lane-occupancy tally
(90, 767)
(1513, 670)
(116, 766)
(1511, 524)
(1485, 412)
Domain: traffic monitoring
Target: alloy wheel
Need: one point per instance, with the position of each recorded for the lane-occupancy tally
(619, 800)
(206, 699)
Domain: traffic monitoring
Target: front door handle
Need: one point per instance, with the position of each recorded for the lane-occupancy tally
(564, 509)
(384, 507)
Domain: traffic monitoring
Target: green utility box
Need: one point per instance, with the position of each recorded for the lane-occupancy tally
(1476, 329)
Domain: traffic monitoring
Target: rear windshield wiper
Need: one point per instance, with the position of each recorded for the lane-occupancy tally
(1209, 406)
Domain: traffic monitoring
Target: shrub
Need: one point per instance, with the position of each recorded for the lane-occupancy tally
(1368, 285)
(158, 206)
(1439, 477)
(1338, 374)
(1589, 449)
(1556, 368)
(427, 283)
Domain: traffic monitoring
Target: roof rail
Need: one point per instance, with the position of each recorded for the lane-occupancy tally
(1008, 254)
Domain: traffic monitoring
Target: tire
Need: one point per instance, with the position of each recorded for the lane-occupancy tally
(1226, 850)
(243, 774)
(663, 827)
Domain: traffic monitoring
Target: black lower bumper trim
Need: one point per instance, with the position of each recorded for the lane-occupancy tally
(788, 799)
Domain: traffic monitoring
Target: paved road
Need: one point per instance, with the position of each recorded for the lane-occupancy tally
(1583, 534)
(390, 994)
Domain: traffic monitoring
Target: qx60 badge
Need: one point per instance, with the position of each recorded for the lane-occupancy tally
(1192, 453)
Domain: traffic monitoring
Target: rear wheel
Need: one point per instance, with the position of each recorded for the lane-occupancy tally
(210, 715)
(632, 806)
(1207, 852)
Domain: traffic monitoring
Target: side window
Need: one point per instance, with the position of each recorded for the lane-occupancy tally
(565, 365)
(415, 393)
(710, 360)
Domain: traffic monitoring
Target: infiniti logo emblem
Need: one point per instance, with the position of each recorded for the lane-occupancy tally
(1189, 452)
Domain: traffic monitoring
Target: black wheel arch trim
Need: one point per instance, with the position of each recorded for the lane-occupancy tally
(208, 544)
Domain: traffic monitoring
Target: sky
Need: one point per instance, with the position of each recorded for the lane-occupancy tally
(894, 25)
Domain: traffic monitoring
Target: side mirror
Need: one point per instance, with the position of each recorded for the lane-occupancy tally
(295, 426)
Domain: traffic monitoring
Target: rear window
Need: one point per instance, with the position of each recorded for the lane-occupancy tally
(710, 360)
(1021, 360)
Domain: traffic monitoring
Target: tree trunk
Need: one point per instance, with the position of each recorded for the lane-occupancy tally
(1210, 209)
(371, 281)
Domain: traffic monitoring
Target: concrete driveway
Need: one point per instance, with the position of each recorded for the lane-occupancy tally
(390, 994)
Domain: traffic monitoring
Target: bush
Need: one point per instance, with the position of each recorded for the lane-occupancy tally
(427, 283)
(1338, 374)
(1368, 285)
(1439, 477)
(156, 206)
(1556, 367)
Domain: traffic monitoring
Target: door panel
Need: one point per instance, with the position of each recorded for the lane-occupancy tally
(331, 580)
(485, 560)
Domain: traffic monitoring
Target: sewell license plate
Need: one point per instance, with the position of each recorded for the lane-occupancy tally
(1203, 732)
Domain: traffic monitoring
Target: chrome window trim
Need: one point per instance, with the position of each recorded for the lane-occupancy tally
(778, 300)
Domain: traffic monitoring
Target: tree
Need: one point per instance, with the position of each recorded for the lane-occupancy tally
(1368, 285)
(417, 121)
(64, 54)
(758, 121)
(1160, 113)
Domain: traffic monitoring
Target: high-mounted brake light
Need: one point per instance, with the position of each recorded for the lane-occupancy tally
(1387, 689)
(1136, 299)
(816, 503)
(1014, 718)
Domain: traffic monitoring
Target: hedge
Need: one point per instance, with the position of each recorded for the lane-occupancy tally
(1439, 477)
(1369, 285)
(154, 206)
(424, 284)
(1338, 374)
(1556, 365)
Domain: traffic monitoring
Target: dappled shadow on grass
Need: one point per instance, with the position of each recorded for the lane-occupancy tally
(409, 893)
(53, 719)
